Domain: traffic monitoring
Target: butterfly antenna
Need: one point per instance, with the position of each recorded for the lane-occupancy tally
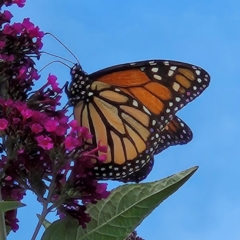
(63, 45)
(52, 63)
(54, 55)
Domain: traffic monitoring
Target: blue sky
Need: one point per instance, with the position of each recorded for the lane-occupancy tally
(204, 33)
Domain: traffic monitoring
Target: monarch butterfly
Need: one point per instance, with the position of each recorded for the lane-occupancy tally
(131, 108)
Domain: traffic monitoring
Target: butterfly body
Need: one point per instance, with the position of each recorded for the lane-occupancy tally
(131, 108)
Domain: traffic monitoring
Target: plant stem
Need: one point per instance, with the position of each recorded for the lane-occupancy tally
(45, 210)
(3, 232)
(40, 221)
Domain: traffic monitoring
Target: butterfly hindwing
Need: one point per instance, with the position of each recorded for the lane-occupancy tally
(141, 174)
(175, 133)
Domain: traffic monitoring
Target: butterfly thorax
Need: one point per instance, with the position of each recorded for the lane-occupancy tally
(78, 89)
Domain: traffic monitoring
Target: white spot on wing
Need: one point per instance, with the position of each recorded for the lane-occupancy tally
(173, 68)
(176, 86)
(155, 69)
(135, 103)
(146, 110)
(198, 72)
(157, 77)
(170, 73)
(152, 63)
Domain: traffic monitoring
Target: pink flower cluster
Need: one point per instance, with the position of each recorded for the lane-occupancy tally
(18, 42)
(20, 3)
(41, 150)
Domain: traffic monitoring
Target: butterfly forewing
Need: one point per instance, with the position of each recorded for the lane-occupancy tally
(163, 87)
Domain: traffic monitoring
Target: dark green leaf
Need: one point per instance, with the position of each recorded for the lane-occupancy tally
(118, 215)
(62, 229)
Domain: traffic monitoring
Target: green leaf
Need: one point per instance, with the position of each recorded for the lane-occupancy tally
(118, 215)
(10, 205)
(62, 229)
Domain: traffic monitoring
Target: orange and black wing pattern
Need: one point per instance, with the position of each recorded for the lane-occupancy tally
(163, 87)
(175, 133)
(121, 123)
(131, 108)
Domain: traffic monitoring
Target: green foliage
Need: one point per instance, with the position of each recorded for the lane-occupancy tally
(10, 205)
(118, 215)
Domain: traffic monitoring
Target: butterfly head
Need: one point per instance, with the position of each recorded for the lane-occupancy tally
(77, 90)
